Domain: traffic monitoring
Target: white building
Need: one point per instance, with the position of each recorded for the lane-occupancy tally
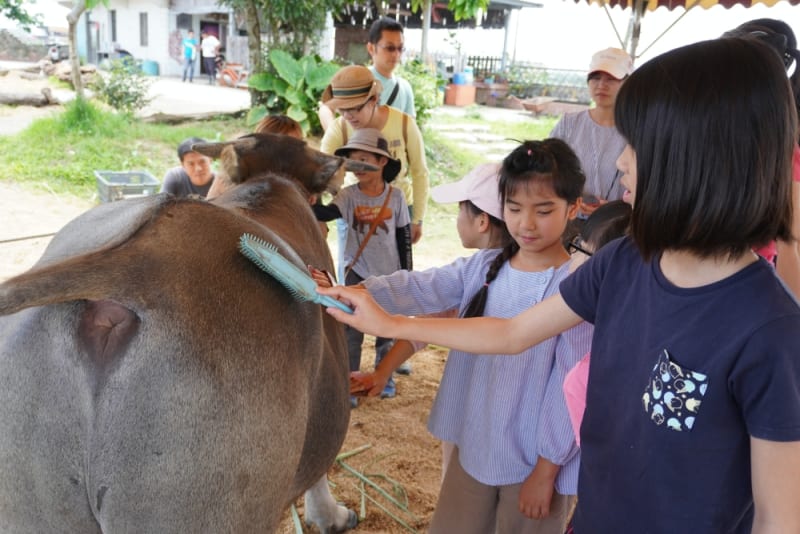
(152, 31)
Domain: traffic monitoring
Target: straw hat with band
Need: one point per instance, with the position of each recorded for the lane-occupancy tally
(371, 140)
(350, 87)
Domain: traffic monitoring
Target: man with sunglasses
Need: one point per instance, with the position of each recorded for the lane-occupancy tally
(386, 47)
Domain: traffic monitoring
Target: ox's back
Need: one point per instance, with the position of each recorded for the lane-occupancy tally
(162, 383)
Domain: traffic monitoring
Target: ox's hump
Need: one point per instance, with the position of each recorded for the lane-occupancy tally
(103, 227)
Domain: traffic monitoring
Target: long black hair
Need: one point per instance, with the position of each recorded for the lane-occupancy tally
(713, 125)
(550, 161)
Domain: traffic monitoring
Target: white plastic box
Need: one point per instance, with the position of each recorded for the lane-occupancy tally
(112, 185)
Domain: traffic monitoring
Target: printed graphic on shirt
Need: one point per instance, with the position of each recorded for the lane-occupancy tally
(673, 394)
(364, 215)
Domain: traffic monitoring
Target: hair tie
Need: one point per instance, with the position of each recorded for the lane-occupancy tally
(486, 284)
(530, 152)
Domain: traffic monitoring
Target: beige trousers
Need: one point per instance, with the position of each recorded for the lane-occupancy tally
(467, 506)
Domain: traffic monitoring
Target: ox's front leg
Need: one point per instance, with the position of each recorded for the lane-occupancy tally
(323, 511)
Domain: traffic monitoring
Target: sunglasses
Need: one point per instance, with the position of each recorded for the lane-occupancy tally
(353, 111)
(576, 246)
(392, 49)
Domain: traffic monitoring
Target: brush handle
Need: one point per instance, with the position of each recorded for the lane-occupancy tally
(331, 302)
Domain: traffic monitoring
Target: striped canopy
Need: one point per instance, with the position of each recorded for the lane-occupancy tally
(651, 5)
(639, 7)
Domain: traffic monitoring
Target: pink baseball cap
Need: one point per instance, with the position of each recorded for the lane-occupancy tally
(614, 61)
(480, 186)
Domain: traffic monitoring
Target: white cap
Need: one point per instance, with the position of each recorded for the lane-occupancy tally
(480, 186)
(614, 61)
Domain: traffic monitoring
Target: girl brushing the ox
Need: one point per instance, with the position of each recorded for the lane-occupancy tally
(506, 474)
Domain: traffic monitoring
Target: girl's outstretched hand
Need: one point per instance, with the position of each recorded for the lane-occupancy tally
(367, 315)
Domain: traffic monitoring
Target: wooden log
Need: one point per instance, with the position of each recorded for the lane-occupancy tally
(167, 118)
(25, 75)
(42, 98)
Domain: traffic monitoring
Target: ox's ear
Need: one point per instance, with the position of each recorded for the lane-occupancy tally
(229, 154)
(232, 165)
(329, 174)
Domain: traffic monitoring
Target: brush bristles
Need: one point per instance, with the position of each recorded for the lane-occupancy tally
(247, 245)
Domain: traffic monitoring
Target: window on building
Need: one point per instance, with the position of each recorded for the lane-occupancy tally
(184, 21)
(113, 24)
(143, 29)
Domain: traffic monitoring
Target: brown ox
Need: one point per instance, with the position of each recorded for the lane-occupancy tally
(153, 380)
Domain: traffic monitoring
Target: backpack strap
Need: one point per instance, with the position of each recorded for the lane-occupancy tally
(343, 125)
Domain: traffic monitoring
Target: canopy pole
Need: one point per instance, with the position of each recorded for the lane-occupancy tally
(503, 60)
(635, 26)
(614, 26)
(686, 10)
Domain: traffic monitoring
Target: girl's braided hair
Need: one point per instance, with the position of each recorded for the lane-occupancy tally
(548, 162)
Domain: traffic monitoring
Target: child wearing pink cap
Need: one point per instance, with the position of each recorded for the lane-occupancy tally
(514, 464)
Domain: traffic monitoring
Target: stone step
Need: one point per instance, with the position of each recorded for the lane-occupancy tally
(457, 127)
(474, 136)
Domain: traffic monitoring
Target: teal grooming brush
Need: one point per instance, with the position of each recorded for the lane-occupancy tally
(297, 281)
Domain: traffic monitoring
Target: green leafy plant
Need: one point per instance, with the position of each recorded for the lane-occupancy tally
(125, 89)
(462, 9)
(16, 10)
(292, 86)
(426, 85)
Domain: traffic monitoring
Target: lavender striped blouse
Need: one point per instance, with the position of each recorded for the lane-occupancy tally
(501, 411)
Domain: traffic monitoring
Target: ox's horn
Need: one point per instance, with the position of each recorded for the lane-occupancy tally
(212, 150)
(358, 166)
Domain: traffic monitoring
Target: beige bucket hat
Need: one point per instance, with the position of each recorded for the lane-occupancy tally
(350, 87)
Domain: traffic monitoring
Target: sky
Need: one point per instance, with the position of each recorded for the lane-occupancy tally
(565, 34)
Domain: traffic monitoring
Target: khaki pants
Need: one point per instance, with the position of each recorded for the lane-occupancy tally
(468, 507)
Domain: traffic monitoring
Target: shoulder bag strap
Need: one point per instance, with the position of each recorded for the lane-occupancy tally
(371, 231)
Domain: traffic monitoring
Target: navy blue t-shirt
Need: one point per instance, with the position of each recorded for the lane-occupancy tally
(679, 381)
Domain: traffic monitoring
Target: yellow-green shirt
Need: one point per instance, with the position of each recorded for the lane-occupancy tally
(409, 150)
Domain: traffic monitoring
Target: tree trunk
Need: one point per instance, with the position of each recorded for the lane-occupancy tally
(426, 28)
(253, 44)
(72, 18)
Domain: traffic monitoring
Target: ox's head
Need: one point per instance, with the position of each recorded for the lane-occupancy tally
(251, 155)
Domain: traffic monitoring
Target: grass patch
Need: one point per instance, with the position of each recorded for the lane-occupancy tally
(61, 153)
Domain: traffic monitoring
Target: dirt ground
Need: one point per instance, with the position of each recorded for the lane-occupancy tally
(399, 447)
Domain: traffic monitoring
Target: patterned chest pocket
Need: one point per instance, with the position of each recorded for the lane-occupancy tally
(673, 394)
